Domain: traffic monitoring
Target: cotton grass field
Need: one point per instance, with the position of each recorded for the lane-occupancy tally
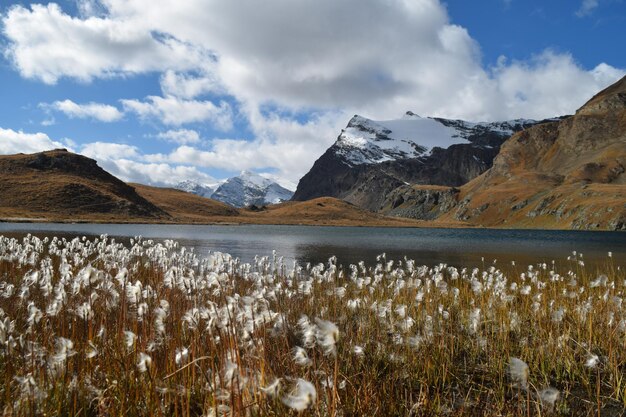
(95, 327)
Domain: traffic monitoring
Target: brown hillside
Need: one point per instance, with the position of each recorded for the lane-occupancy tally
(567, 174)
(59, 185)
(327, 211)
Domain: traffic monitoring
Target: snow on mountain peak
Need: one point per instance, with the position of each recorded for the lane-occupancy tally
(366, 141)
(243, 190)
(255, 179)
(190, 186)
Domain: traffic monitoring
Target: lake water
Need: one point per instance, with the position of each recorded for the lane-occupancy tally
(459, 247)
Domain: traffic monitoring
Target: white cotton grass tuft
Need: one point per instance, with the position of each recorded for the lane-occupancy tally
(273, 389)
(601, 281)
(300, 357)
(592, 361)
(65, 349)
(301, 397)
(308, 331)
(358, 351)
(548, 397)
(474, 321)
(517, 370)
(92, 352)
(327, 336)
(558, 315)
(144, 362)
(129, 338)
(182, 355)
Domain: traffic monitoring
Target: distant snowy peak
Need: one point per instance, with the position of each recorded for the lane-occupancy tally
(251, 189)
(366, 141)
(241, 191)
(203, 190)
(254, 179)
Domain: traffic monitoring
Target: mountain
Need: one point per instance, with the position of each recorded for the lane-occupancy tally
(243, 190)
(567, 174)
(372, 158)
(249, 189)
(61, 185)
(202, 190)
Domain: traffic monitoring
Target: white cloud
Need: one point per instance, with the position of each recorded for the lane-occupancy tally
(158, 174)
(101, 112)
(189, 86)
(174, 111)
(49, 121)
(180, 136)
(46, 44)
(550, 83)
(587, 7)
(385, 58)
(12, 142)
(109, 151)
(128, 163)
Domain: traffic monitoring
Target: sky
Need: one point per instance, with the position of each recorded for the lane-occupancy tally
(161, 91)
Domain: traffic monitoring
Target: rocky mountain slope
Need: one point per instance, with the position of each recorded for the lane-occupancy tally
(244, 190)
(372, 158)
(60, 184)
(568, 174)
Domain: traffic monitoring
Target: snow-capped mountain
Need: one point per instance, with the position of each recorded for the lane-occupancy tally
(243, 190)
(366, 141)
(371, 158)
(249, 188)
(203, 190)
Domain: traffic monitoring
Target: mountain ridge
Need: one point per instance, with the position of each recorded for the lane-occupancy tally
(369, 159)
(243, 190)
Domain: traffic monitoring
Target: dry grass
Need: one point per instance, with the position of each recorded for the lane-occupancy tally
(97, 328)
(326, 211)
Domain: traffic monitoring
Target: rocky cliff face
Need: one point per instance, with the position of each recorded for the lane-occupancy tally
(370, 158)
(566, 174)
(421, 202)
